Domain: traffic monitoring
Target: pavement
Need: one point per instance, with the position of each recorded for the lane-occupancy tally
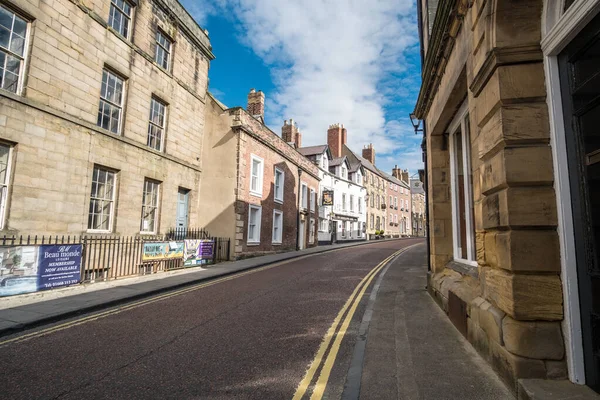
(254, 335)
(412, 349)
(27, 311)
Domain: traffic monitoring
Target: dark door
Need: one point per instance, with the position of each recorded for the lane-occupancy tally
(580, 85)
(334, 229)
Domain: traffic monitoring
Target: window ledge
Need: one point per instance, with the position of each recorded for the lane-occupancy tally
(253, 244)
(255, 194)
(278, 201)
(463, 269)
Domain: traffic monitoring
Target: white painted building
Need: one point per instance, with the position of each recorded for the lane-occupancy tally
(345, 219)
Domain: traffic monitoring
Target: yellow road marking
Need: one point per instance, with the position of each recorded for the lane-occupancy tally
(305, 383)
(352, 302)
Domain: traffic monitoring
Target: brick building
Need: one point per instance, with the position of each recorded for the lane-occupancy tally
(101, 116)
(394, 209)
(510, 107)
(263, 192)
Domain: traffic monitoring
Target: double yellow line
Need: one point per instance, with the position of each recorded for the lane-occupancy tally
(351, 304)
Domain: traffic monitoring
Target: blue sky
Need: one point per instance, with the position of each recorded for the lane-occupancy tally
(321, 62)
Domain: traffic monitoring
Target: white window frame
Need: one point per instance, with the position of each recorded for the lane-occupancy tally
(558, 29)
(155, 207)
(279, 187)
(111, 200)
(344, 208)
(10, 53)
(155, 107)
(313, 202)
(359, 200)
(303, 195)
(168, 50)
(351, 203)
(127, 17)
(254, 240)
(259, 175)
(104, 101)
(5, 186)
(277, 237)
(311, 234)
(460, 123)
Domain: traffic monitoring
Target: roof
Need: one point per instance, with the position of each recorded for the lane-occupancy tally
(338, 161)
(313, 150)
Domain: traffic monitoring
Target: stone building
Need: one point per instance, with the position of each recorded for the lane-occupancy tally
(101, 116)
(395, 206)
(510, 107)
(417, 194)
(405, 200)
(262, 193)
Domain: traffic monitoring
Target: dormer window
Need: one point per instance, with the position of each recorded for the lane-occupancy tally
(344, 173)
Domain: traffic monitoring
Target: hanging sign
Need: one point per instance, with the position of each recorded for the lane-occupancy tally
(327, 198)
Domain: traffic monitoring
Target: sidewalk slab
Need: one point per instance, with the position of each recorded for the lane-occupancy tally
(22, 312)
(413, 351)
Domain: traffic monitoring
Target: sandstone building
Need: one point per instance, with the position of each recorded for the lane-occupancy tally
(101, 116)
(510, 103)
(417, 194)
(261, 192)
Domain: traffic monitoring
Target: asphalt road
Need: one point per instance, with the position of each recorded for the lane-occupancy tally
(252, 337)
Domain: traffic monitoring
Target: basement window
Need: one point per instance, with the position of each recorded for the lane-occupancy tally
(462, 188)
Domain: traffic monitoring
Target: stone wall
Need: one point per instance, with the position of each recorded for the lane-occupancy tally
(512, 300)
(52, 123)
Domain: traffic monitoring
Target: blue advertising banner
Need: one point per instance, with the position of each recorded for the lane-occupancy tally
(59, 266)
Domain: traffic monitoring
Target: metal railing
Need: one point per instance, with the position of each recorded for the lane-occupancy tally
(110, 257)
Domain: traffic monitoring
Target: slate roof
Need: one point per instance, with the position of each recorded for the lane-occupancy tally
(337, 161)
(312, 150)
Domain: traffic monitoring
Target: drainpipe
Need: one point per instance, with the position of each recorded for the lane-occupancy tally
(426, 188)
(299, 208)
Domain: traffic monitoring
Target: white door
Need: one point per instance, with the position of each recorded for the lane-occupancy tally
(302, 233)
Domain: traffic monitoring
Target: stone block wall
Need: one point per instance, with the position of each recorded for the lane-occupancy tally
(52, 122)
(513, 298)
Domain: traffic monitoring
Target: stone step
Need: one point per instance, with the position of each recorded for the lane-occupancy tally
(540, 389)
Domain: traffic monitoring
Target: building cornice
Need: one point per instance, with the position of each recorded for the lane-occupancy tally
(447, 23)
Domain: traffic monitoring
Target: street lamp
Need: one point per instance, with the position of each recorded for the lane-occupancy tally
(416, 123)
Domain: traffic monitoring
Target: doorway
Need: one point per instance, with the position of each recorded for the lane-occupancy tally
(334, 230)
(183, 196)
(302, 237)
(580, 87)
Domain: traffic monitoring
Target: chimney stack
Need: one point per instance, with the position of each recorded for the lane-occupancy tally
(368, 153)
(291, 134)
(336, 139)
(256, 103)
(405, 176)
(397, 172)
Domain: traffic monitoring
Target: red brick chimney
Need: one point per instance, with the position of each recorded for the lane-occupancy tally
(336, 139)
(256, 103)
(397, 172)
(369, 153)
(290, 133)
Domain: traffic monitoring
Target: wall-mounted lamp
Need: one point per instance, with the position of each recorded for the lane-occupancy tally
(416, 123)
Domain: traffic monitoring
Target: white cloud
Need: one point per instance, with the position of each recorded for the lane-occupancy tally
(335, 61)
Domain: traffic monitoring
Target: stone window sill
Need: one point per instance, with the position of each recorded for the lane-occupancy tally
(463, 269)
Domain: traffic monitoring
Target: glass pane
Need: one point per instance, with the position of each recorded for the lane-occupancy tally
(460, 196)
(6, 18)
(4, 37)
(4, 153)
(17, 44)
(20, 27)
(11, 81)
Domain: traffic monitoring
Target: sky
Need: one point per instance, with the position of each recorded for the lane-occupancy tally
(320, 62)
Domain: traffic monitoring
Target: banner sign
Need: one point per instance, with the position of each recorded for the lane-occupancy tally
(59, 266)
(162, 251)
(27, 269)
(327, 198)
(198, 252)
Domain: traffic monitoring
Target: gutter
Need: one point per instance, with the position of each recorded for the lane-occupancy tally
(299, 208)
